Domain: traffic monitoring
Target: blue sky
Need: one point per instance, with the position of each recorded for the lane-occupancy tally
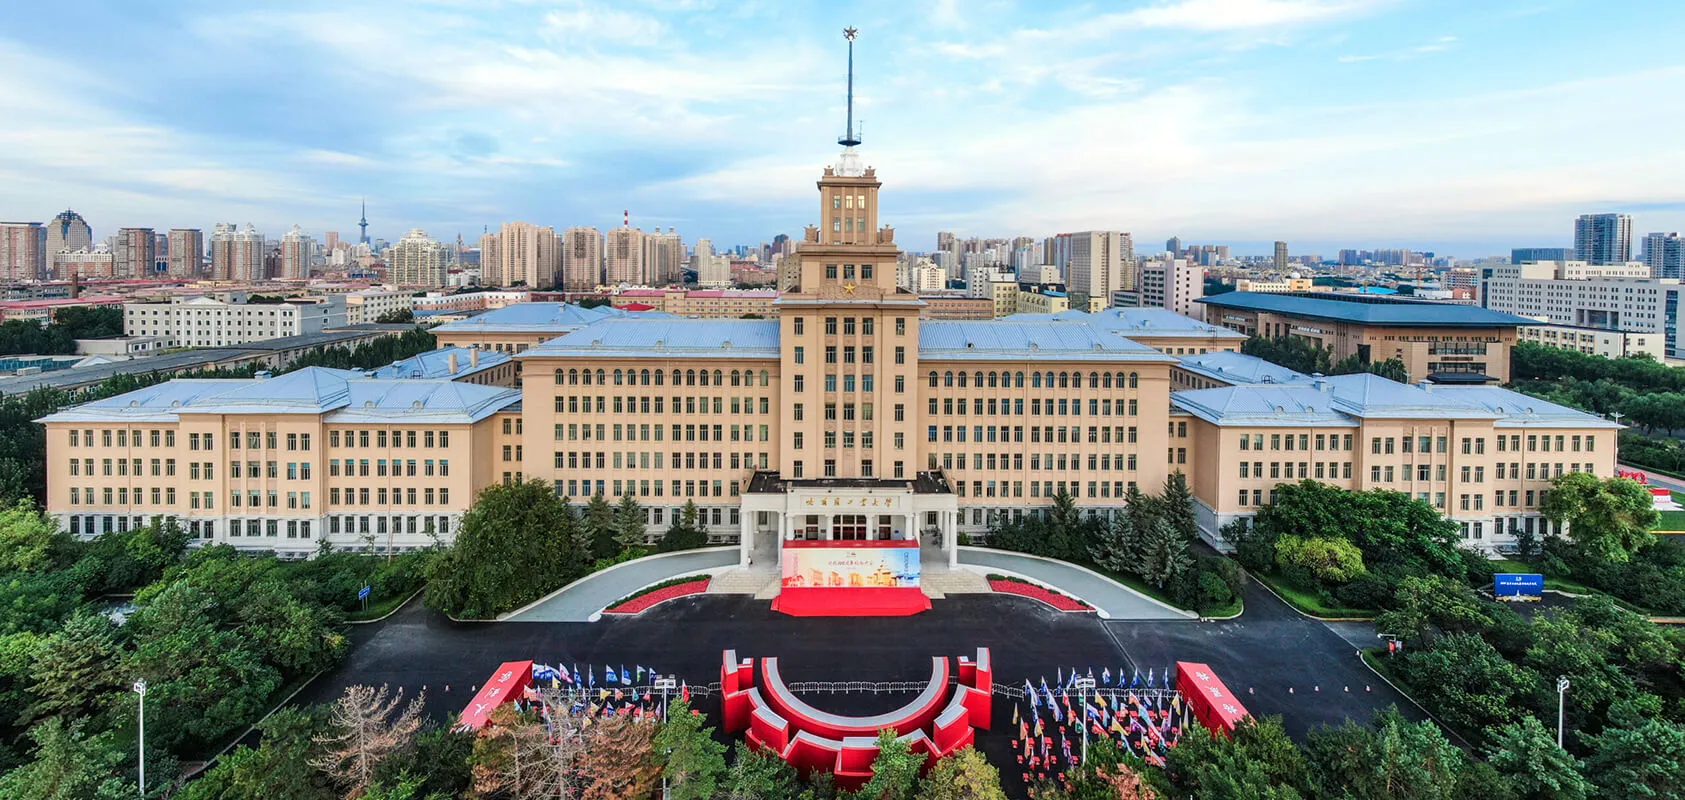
(1462, 126)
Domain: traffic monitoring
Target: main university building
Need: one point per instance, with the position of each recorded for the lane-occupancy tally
(846, 417)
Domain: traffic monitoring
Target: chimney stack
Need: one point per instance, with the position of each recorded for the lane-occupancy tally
(453, 363)
(473, 358)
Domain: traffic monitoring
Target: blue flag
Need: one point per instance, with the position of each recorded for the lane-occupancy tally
(1106, 676)
(625, 676)
(591, 676)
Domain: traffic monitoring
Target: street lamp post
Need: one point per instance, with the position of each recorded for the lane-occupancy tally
(666, 683)
(140, 689)
(1561, 700)
(1083, 684)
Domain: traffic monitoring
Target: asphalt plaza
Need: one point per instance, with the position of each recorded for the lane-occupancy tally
(1276, 661)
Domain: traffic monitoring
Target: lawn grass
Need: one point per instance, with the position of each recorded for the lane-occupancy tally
(1234, 607)
(380, 608)
(1672, 521)
(1308, 601)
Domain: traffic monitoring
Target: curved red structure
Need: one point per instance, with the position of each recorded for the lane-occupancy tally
(941, 719)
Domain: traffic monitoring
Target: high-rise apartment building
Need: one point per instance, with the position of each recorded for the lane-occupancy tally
(1603, 238)
(1098, 263)
(665, 260)
(1281, 255)
(1174, 284)
(298, 252)
(417, 260)
(624, 256)
(582, 258)
(1664, 255)
(187, 252)
(712, 271)
(520, 253)
(23, 251)
(134, 252)
(68, 231)
(1173, 245)
(236, 253)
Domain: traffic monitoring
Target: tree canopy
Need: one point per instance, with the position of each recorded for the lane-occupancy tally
(507, 552)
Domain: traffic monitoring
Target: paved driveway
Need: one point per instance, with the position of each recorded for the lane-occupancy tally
(580, 600)
(1113, 599)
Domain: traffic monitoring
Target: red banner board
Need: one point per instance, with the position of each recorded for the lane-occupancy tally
(504, 685)
(1212, 703)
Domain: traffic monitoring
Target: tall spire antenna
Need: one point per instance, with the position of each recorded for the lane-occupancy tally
(363, 224)
(850, 139)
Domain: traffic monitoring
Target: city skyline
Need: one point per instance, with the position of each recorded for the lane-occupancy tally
(998, 120)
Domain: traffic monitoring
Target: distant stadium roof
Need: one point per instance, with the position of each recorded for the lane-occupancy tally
(1368, 309)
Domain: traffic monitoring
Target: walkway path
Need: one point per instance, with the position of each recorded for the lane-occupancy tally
(1113, 599)
(581, 600)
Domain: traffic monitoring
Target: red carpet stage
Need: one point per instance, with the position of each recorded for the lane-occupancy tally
(850, 578)
(860, 602)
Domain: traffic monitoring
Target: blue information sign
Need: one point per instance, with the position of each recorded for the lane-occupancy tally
(363, 594)
(1515, 584)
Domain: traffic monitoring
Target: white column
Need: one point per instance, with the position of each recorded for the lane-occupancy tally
(745, 536)
(951, 541)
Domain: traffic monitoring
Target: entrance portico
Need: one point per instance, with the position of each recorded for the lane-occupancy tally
(776, 510)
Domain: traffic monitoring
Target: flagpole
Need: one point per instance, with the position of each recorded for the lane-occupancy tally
(1084, 684)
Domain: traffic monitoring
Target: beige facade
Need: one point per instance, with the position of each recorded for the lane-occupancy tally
(277, 464)
(1598, 341)
(703, 303)
(582, 258)
(520, 253)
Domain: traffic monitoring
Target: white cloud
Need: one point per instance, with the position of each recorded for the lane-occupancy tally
(1217, 15)
(588, 23)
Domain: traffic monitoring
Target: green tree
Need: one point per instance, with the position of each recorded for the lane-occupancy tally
(629, 524)
(1395, 759)
(757, 775)
(506, 554)
(895, 770)
(1258, 763)
(29, 540)
(279, 768)
(1176, 503)
(90, 322)
(69, 764)
(1424, 605)
(1610, 517)
(690, 759)
(1644, 762)
(962, 775)
(1467, 682)
(1165, 554)
(1317, 560)
(74, 667)
(1114, 547)
(685, 531)
(598, 523)
(1527, 755)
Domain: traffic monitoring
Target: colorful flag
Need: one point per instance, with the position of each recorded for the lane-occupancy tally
(610, 676)
(684, 691)
(640, 672)
(625, 676)
(1106, 676)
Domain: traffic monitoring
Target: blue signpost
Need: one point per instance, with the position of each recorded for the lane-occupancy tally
(1518, 586)
(363, 595)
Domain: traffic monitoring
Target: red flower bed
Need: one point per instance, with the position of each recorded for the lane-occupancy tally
(1035, 592)
(642, 602)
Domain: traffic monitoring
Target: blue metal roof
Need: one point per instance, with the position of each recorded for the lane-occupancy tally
(1368, 310)
(1238, 368)
(1319, 401)
(436, 364)
(666, 336)
(555, 317)
(1148, 321)
(342, 395)
(1013, 338)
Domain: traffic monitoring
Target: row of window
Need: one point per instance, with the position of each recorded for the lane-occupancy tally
(122, 437)
(366, 438)
(644, 404)
(119, 496)
(362, 496)
(1473, 445)
(1331, 441)
(829, 465)
(646, 377)
(574, 459)
(1063, 407)
(378, 524)
(798, 325)
(269, 499)
(1096, 489)
(397, 468)
(1102, 462)
(165, 468)
(848, 439)
(577, 432)
(867, 354)
(649, 488)
(1104, 434)
(1324, 470)
(1038, 380)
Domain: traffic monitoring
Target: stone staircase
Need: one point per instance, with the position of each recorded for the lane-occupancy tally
(938, 584)
(755, 582)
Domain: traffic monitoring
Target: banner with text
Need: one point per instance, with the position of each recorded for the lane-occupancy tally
(851, 567)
